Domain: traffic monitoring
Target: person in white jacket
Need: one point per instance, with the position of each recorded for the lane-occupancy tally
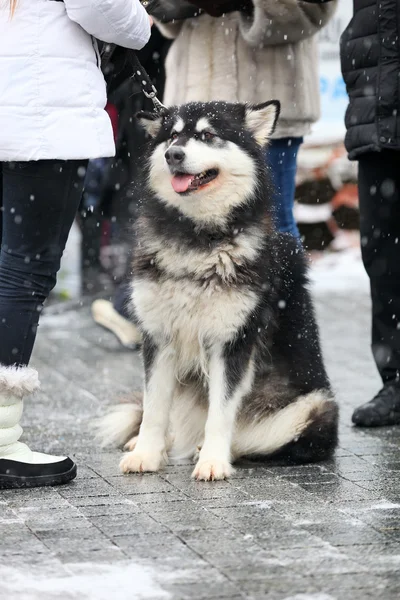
(52, 120)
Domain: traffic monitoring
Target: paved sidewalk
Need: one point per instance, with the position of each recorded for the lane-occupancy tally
(322, 532)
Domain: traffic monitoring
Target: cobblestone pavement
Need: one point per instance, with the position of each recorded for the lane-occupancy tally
(321, 532)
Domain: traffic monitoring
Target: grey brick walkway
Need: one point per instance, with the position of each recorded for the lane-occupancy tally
(324, 532)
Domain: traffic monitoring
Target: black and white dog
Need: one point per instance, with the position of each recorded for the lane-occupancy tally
(232, 358)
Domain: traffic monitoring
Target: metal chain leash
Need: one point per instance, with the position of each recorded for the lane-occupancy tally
(143, 79)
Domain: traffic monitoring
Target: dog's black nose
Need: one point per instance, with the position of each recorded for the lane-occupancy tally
(175, 155)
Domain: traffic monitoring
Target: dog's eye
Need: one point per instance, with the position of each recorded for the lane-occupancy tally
(174, 136)
(207, 135)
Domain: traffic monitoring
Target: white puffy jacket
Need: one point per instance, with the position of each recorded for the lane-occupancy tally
(52, 91)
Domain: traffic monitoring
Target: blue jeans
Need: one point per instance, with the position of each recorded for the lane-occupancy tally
(281, 157)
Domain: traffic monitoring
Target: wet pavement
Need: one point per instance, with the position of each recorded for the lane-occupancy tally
(323, 532)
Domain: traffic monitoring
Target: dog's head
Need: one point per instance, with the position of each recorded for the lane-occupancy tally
(206, 157)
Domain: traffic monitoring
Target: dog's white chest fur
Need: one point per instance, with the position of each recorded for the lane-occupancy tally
(189, 316)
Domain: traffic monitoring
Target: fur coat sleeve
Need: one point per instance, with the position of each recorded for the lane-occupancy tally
(273, 22)
(276, 22)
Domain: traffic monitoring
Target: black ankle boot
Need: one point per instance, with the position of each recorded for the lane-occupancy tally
(383, 409)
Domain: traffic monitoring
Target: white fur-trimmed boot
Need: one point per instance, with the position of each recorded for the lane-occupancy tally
(19, 466)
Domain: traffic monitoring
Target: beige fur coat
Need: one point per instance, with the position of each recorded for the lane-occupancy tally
(271, 55)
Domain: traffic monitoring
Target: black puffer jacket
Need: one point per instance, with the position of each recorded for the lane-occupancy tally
(370, 55)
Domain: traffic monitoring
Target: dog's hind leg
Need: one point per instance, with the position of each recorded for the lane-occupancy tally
(231, 372)
(304, 431)
(151, 448)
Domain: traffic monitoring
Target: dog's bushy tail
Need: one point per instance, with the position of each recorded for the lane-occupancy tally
(121, 423)
(304, 431)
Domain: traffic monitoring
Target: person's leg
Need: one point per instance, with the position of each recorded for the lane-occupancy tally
(379, 194)
(39, 201)
(281, 157)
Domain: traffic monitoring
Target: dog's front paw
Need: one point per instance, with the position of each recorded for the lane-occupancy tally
(212, 470)
(141, 462)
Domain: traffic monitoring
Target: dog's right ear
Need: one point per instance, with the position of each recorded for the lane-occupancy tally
(261, 119)
(150, 121)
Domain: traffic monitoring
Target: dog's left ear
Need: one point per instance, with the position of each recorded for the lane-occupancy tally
(150, 121)
(261, 119)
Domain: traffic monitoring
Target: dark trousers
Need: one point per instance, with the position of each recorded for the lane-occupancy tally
(379, 186)
(38, 203)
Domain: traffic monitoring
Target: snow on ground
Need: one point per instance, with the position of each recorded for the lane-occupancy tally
(339, 272)
(83, 582)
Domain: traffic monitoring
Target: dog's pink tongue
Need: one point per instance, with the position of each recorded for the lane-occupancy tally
(181, 183)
